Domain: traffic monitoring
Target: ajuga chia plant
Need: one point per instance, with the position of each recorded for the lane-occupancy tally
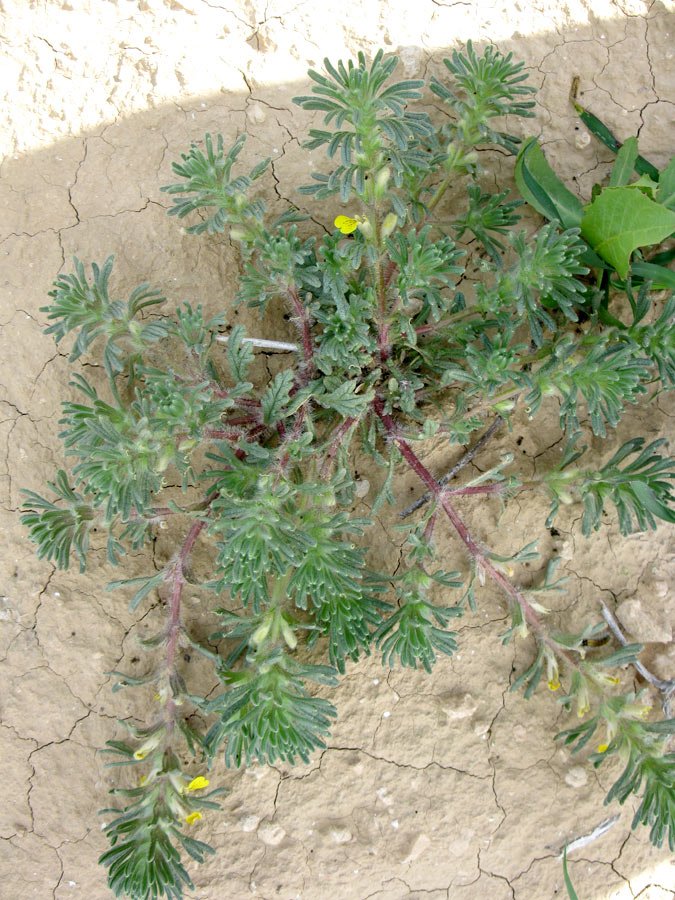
(389, 353)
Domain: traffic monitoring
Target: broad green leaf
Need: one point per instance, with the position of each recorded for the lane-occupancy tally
(645, 184)
(622, 219)
(624, 162)
(666, 191)
(541, 187)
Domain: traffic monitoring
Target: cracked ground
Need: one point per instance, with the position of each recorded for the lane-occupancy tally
(432, 787)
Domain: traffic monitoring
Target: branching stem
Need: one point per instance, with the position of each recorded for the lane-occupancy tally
(479, 555)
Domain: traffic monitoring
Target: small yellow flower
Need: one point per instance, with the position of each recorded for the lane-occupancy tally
(193, 817)
(553, 685)
(140, 754)
(198, 783)
(346, 224)
(602, 747)
(144, 778)
(637, 711)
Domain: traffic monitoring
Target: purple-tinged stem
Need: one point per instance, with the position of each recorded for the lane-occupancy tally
(472, 547)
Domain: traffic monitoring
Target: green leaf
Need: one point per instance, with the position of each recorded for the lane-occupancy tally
(541, 187)
(568, 882)
(666, 190)
(276, 396)
(660, 277)
(624, 162)
(603, 134)
(239, 354)
(622, 219)
(345, 401)
(147, 582)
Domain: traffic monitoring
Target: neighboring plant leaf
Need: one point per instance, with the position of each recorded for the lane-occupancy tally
(660, 277)
(666, 190)
(623, 164)
(622, 219)
(542, 188)
(568, 881)
(599, 130)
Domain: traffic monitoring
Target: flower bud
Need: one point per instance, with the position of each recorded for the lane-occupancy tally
(504, 406)
(289, 634)
(389, 224)
(240, 200)
(165, 458)
(261, 632)
(150, 743)
(381, 181)
(366, 229)
(241, 233)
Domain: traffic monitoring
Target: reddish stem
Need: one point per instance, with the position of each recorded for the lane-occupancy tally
(476, 552)
(498, 488)
(429, 530)
(294, 435)
(303, 318)
(383, 341)
(340, 432)
(175, 625)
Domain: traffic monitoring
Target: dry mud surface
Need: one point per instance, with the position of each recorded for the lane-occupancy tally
(441, 786)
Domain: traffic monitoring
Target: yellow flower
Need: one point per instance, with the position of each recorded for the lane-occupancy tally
(602, 747)
(553, 685)
(637, 711)
(144, 778)
(150, 743)
(198, 783)
(193, 817)
(346, 224)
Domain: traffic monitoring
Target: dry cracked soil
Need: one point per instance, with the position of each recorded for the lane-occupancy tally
(432, 787)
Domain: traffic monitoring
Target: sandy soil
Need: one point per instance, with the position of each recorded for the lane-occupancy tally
(441, 786)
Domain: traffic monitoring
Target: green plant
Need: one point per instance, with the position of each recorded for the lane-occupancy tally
(389, 354)
(622, 217)
(571, 893)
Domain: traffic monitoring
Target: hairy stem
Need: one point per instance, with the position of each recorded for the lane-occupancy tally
(479, 555)
(175, 625)
(464, 461)
(302, 317)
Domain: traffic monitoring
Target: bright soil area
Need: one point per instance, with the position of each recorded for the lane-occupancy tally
(431, 787)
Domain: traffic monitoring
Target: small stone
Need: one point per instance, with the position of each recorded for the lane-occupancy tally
(576, 777)
(421, 843)
(458, 706)
(340, 835)
(250, 823)
(271, 834)
(645, 621)
(362, 486)
(255, 113)
(411, 57)
(582, 140)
